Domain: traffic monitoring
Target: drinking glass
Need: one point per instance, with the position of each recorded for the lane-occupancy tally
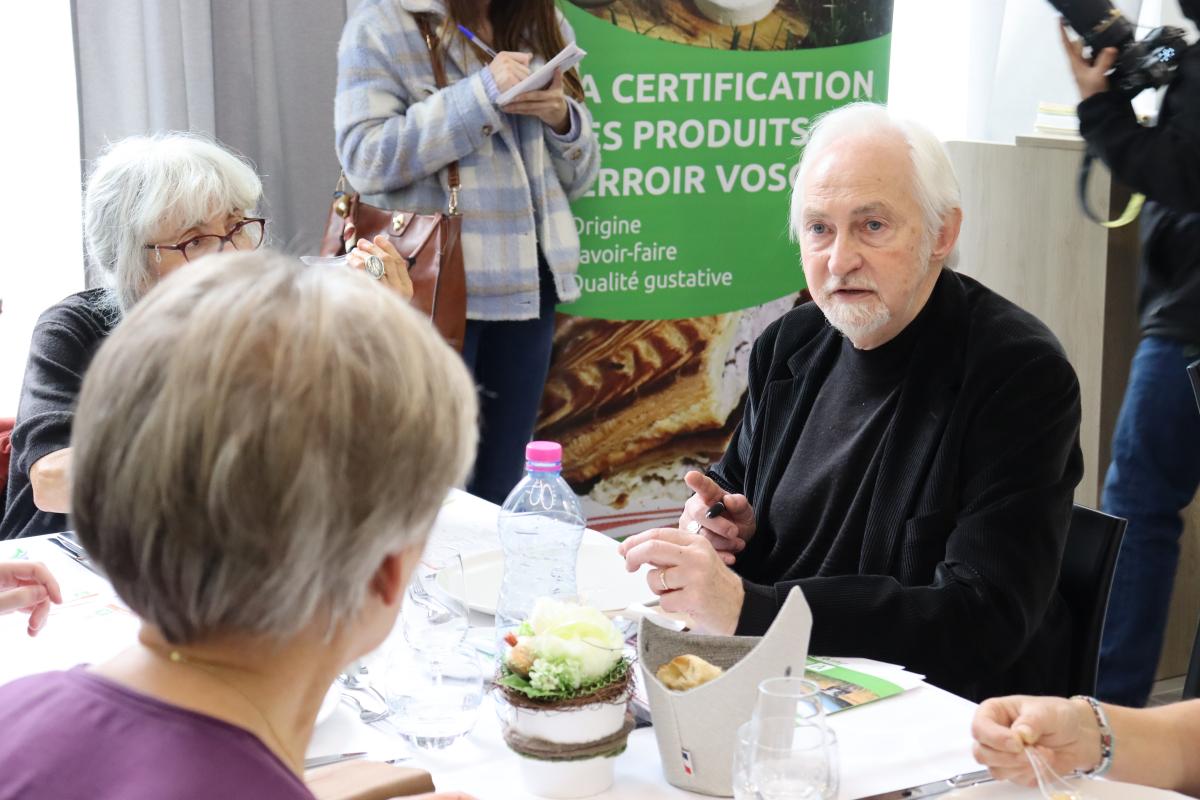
(777, 758)
(433, 700)
(743, 746)
(434, 614)
(790, 697)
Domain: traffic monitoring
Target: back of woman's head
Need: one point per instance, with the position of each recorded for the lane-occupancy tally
(140, 185)
(256, 436)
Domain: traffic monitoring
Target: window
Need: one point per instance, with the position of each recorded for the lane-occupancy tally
(40, 218)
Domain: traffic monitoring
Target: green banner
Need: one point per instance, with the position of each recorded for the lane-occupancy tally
(699, 146)
(701, 108)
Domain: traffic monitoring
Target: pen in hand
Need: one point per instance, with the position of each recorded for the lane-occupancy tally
(475, 40)
(715, 510)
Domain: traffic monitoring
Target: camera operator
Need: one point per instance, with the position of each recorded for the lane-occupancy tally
(1155, 467)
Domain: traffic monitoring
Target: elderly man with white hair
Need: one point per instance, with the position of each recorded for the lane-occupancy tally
(909, 447)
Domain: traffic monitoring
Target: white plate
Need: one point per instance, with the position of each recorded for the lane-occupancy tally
(599, 574)
(1088, 789)
(329, 704)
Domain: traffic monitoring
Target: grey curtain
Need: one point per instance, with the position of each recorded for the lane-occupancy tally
(259, 75)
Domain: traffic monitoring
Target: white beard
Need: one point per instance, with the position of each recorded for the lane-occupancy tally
(856, 321)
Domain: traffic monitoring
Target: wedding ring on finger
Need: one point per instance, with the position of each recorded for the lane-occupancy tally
(694, 527)
(662, 579)
(375, 266)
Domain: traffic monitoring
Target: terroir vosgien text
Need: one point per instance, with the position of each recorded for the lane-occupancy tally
(741, 131)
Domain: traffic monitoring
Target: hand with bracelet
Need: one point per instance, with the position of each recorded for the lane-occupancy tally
(1066, 733)
(1149, 746)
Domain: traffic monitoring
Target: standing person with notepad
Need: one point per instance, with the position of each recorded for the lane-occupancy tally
(520, 165)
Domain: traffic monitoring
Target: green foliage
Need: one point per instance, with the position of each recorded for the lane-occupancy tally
(559, 691)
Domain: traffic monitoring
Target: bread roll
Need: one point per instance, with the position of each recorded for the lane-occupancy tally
(687, 672)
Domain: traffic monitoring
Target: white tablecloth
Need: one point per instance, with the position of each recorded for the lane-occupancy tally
(919, 736)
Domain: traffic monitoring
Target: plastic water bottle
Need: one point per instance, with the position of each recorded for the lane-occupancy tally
(541, 527)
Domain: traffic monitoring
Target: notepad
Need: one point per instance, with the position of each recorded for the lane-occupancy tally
(568, 57)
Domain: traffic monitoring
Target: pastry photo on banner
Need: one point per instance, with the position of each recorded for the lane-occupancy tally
(701, 108)
(748, 24)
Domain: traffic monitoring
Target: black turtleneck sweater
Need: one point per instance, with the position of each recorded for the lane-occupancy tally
(820, 507)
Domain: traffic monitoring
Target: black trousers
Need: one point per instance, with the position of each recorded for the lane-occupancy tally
(509, 360)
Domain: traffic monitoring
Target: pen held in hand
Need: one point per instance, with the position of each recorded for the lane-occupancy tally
(475, 40)
(715, 510)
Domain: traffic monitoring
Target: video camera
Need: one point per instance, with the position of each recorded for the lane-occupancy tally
(1141, 63)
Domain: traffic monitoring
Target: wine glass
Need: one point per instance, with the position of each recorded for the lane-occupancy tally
(743, 748)
(434, 613)
(433, 700)
(779, 758)
(790, 697)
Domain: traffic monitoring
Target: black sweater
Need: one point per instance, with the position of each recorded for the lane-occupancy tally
(1163, 163)
(820, 507)
(965, 523)
(66, 337)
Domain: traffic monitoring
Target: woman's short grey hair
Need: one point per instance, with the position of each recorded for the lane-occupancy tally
(142, 184)
(255, 437)
(934, 179)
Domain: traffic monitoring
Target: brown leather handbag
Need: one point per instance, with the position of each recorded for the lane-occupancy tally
(430, 243)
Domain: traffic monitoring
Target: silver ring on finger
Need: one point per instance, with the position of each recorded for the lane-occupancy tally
(375, 267)
(694, 527)
(662, 578)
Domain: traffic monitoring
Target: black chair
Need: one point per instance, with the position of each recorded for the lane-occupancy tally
(1086, 577)
(1191, 683)
(1194, 373)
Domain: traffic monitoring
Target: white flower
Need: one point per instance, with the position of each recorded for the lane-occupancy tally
(580, 640)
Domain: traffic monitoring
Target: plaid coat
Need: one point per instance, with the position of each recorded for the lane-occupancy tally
(396, 133)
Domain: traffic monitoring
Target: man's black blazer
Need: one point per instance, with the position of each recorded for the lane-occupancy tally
(968, 519)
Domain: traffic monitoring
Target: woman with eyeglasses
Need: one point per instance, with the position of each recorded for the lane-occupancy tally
(153, 204)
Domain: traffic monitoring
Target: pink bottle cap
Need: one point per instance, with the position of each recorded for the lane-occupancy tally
(543, 456)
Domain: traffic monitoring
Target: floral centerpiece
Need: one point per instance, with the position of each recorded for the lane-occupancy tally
(566, 684)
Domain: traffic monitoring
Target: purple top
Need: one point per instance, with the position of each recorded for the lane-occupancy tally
(74, 734)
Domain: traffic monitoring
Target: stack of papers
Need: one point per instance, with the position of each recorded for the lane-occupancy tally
(1054, 119)
(568, 57)
(849, 682)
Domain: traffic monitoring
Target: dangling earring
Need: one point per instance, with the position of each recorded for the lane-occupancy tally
(157, 255)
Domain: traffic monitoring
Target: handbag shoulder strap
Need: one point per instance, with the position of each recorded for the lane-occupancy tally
(424, 22)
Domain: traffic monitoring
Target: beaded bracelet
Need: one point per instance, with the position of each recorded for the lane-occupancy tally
(1106, 738)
